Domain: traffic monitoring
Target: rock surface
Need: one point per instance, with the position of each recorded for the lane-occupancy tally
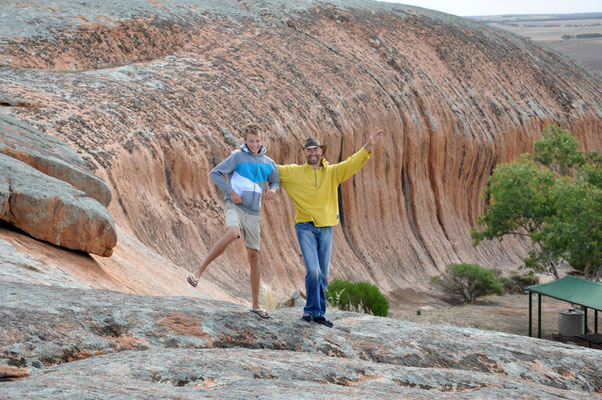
(68, 211)
(88, 343)
(27, 260)
(52, 210)
(51, 156)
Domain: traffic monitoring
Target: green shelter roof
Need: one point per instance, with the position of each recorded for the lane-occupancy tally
(574, 290)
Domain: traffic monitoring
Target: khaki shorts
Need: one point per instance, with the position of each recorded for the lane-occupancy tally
(247, 224)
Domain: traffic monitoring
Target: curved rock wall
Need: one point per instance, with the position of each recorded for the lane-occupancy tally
(153, 96)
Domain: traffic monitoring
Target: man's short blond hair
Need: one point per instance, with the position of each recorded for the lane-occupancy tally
(252, 128)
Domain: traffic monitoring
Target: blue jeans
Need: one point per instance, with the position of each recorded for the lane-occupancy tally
(316, 245)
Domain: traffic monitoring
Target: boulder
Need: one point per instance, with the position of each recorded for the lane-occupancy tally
(51, 156)
(297, 300)
(52, 210)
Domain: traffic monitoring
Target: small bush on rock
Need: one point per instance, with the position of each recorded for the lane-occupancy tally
(357, 296)
(469, 280)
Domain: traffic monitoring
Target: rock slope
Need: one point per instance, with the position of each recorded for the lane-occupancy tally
(61, 343)
(151, 95)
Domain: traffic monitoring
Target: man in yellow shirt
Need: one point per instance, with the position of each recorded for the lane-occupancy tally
(313, 189)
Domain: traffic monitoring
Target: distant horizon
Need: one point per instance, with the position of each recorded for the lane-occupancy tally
(486, 8)
(540, 16)
(527, 14)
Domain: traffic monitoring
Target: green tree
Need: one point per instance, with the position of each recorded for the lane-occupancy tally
(574, 232)
(469, 281)
(559, 151)
(554, 198)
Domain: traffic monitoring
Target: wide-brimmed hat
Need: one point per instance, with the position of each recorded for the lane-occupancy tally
(312, 143)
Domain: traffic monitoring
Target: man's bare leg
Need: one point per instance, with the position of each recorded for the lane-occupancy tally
(217, 249)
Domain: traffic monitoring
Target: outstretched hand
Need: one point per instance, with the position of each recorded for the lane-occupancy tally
(374, 136)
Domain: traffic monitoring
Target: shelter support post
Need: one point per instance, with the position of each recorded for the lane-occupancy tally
(580, 292)
(530, 313)
(539, 315)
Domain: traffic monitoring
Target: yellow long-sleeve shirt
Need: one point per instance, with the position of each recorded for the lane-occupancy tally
(314, 192)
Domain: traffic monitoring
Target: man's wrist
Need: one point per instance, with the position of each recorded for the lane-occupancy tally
(368, 147)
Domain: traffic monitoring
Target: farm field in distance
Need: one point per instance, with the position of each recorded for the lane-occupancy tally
(549, 30)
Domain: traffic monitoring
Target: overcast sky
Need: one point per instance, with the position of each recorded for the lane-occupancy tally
(496, 7)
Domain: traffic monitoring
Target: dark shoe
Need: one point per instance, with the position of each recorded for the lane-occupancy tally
(306, 318)
(323, 321)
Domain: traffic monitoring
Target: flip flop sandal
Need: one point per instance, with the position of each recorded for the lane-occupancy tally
(192, 281)
(261, 313)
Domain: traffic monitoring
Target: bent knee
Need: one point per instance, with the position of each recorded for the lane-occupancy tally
(232, 233)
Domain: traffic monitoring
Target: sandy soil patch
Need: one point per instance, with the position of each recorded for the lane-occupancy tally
(507, 313)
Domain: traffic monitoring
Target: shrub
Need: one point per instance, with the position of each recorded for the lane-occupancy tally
(469, 280)
(521, 281)
(516, 283)
(357, 296)
(508, 285)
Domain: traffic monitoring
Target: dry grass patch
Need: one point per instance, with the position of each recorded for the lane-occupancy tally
(507, 313)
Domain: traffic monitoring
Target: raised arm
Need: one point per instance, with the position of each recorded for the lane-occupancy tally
(346, 169)
(374, 137)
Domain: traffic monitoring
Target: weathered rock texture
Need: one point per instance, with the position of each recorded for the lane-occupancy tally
(51, 156)
(72, 343)
(52, 210)
(24, 259)
(39, 193)
(151, 94)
